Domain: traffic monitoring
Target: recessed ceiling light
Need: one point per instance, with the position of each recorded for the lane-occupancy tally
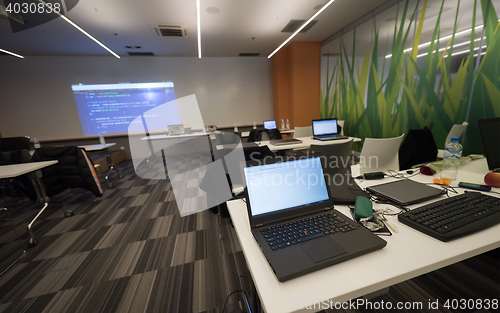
(212, 10)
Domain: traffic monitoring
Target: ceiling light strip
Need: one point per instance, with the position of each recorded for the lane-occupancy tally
(83, 31)
(443, 38)
(455, 46)
(300, 28)
(199, 27)
(12, 53)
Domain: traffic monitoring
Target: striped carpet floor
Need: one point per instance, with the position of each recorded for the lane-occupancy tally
(131, 251)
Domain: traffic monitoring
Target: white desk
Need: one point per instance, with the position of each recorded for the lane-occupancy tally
(15, 170)
(287, 132)
(408, 254)
(306, 143)
(109, 162)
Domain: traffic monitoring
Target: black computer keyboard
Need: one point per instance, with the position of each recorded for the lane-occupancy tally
(454, 217)
(282, 236)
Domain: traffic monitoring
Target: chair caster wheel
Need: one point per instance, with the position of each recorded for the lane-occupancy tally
(32, 242)
(68, 213)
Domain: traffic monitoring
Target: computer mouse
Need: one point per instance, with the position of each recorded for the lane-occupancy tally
(363, 207)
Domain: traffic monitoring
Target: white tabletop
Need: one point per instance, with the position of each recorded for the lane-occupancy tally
(14, 170)
(409, 253)
(306, 143)
(283, 131)
(168, 136)
(97, 147)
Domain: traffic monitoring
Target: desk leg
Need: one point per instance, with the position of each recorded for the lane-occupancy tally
(111, 168)
(42, 199)
(217, 221)
(20, 242)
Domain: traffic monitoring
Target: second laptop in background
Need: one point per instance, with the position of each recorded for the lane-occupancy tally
(326, 130)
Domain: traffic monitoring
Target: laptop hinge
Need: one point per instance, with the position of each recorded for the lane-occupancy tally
(259, 225)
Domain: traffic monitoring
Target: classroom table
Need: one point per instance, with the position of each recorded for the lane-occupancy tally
(287, 132)
(408, 254)
(305, 144)
(15, 170)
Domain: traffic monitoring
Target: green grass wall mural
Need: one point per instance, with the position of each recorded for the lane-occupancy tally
(386, 100)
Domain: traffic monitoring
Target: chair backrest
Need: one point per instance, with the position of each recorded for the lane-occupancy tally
(264, 136)
(14, 143)
(380, 154)
(456, 131)
(74, 170)
(341, 124)
(15, 157)
(337, 157)
(302, 132)
(418, 147)
(20, 185)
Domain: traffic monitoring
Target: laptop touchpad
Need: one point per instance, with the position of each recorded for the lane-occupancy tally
(322, 249)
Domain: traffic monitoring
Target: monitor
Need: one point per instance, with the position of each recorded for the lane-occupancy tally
(270, 124)
(324, 127)
(298, 183)
(490, 136)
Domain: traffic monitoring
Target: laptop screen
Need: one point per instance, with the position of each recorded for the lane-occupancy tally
(280, 186)
(324, 127)
(270, 124)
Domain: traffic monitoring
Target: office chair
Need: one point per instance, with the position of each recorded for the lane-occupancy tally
(223, 145)
(73, 170)
(418, 147)
(337, 160)
(455, 131)
(302, 132)
(341, 124)
(380, 155)
(14, 143)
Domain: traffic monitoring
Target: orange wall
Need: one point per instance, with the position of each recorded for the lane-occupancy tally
(279, 67)
(296, 83)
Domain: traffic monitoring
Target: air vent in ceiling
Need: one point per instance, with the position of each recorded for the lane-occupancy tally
(293, 25)
(249, 54)
(141, 54)
(170, 30)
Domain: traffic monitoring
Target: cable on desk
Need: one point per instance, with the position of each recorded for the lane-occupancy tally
(407, 174)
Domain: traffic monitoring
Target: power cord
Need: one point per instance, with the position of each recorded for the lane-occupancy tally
(232, 293)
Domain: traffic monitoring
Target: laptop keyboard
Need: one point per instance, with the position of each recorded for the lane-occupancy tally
(285, 235)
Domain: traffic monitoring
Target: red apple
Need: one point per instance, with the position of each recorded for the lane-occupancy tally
(492, 179)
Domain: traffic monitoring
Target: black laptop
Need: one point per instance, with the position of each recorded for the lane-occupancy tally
(294, 222)
(326, 130)
(271, 124)
(405, 192)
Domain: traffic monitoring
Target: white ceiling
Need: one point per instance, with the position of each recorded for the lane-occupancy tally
(240, 26)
